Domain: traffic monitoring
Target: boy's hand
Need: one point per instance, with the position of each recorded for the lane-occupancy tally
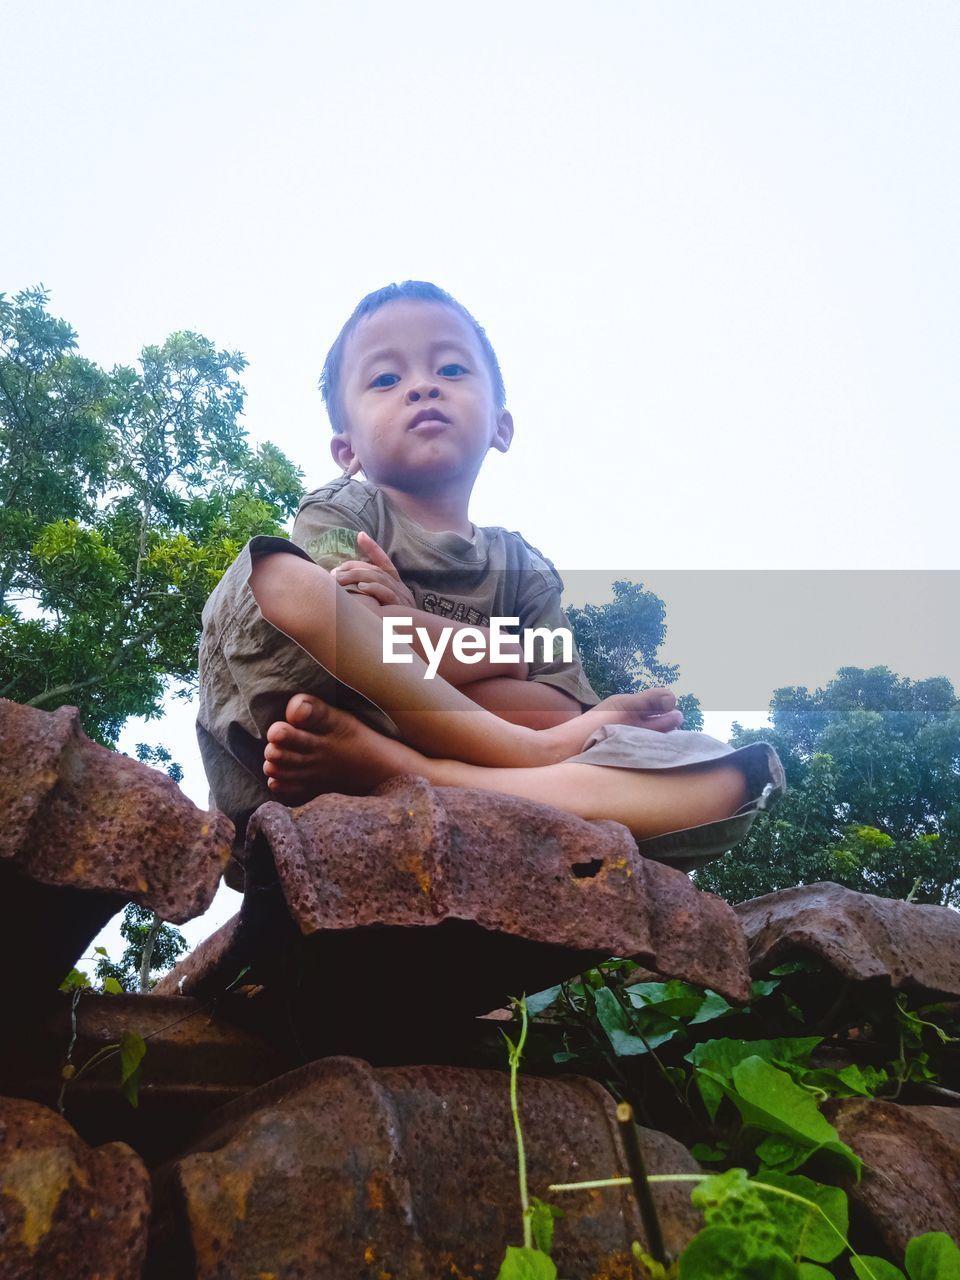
(375, 577)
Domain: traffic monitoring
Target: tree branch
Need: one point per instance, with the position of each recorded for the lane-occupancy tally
(61, 690)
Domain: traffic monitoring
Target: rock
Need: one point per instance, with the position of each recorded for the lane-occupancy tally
(473, 897)
(908, 945)
(86, 830)
(911, 1176)
(193, 1065)
(340, 1171)
(66, 1210)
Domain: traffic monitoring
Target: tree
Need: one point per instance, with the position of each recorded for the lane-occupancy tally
(124, 495)
(873, 769)
(618, 644)
(151, 946)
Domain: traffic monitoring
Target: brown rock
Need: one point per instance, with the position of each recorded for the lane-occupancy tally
(472, 897)
(911, 1176)
(86, 830)
(338, 1170)
(193, 1065)
(911, 946)
(67, 1210)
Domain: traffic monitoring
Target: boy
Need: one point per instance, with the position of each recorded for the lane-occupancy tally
(416, 399)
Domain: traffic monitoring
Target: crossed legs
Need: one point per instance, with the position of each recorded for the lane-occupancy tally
(447, 738)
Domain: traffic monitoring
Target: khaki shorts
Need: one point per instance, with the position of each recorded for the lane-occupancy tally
(249, 670)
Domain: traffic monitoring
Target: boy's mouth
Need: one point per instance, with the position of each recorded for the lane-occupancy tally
(427, 415)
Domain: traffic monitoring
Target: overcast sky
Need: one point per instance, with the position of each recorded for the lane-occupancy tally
(716, 245)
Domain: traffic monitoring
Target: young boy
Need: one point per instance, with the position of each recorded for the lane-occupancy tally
(296, 695)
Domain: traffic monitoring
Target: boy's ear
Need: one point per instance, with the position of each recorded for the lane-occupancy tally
(503, 434)
(342, 450)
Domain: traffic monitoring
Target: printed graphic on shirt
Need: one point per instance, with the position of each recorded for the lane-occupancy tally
(455, 610)
(333, 547)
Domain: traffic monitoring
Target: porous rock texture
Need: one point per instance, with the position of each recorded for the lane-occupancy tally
(66, 1210)
(910, 946)
(480, 897)
(911, 1176)
(85, 830)
(416, 1172)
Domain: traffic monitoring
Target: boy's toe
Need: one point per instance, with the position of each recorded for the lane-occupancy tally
(304, 711)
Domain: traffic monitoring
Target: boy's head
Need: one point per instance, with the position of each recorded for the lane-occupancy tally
(413, 389)
(419, 290)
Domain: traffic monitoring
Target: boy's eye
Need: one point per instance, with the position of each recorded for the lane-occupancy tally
(382, 380)
(452, 370)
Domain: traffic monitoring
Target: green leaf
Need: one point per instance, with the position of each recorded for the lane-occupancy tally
(706, 1154)
(724, 1253)
(810, 1271)
(100, 951)
(761, 987)
(615, 1022)
(713, 1006)
(933, 1256)
(865, 1268)
(782, 1154)
(768, 1099)
(74, 979)
(674, 999)
(542, 1000)
(132, 1050)
(815, 1230)
(716, 1059)
(526, 1264)
(112, 987)
(542, 1216)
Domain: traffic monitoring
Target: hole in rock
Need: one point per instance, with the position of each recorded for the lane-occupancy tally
(586, 870)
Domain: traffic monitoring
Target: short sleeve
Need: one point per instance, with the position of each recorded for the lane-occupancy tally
(326, 527)
(544, 611)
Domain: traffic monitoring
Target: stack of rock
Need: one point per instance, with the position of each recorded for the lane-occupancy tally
(374, 930)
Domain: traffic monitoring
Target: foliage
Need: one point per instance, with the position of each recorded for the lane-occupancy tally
(131, 1048)
(873, 767)
(135, 928)
(749, 1100)
(618, 644)
(124, 495)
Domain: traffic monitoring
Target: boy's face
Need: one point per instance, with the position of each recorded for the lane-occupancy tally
(418, 399)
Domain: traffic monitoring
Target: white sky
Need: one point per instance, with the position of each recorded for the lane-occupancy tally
(716, 246)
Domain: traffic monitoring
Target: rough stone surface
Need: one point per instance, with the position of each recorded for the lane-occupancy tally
(341, 1171)
(911, 946)
(481, 897)
(86, 830)
(193, 1065)
(67, 1210)
(911, 1176)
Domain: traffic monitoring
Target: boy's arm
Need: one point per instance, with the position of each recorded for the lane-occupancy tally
(378, 584)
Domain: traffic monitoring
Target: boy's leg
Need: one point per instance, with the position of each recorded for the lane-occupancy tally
(303, 601)
(649, 803)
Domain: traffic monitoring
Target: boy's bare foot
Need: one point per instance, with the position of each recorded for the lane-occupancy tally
(320, 748)
(651, 709)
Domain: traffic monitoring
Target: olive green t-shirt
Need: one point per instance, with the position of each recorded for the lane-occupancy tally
(497, 574)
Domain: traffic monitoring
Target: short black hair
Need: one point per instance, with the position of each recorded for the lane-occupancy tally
(423, 291)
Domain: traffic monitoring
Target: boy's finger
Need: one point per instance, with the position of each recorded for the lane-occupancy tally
(379, 590)
(377, 554)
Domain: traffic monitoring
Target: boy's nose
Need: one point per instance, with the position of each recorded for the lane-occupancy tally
(422, 391)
